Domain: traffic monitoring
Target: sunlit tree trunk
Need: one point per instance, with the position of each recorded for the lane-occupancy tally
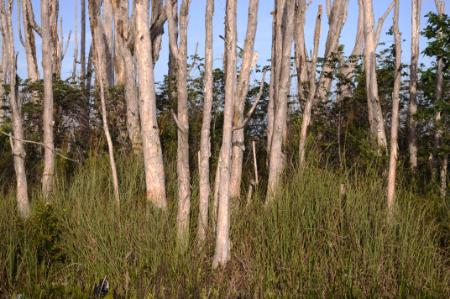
(395, 107)
(53, 16)
(312, 89)
(222, 249)
(16, 139)
(179, 51)
(248, 58)
(205, 139)
(30, 43)
(412, 107)
(285, 29)
(159, 17)
(300, 48)
(47, 122)
(153, 160)
(376, 120)
(125, 60)
(108, 21)
(440, 5)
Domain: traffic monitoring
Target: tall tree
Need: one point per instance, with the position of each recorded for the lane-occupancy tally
(300, 48)
(16, 138)
(47, 62)
(222, 249)
(284, 30)
(205, 138)
(153, 160)
(412, 108)
(395, 107)
(126, 62)
(375, 114)
(179, 51)
(29, 40)
(337, 14)
(248, 59)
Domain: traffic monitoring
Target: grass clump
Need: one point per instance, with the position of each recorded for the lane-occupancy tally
(314, 240)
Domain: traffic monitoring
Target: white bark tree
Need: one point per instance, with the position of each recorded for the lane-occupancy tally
(205, 138)
(29, 40)
(249, 57)
(395, 112)
(47, 63)
(179, 51)
(16, 138)
(222, 249)
(412, 107)
(153, 160)
(284, 30)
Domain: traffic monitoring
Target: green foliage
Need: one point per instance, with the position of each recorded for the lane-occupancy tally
(313, 241)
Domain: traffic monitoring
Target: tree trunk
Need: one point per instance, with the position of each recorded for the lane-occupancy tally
(238, 145)
(124, 53)
(374, 107)
(300, 49)
(108, 25)
(312, 90)
(285, 29)
(179, 51)
(53, 16)
(440, 5)
(412, 107)
(47, 60)
(157, 27)
(16, 139)
(30, 43)
(395, 109)
(83, 43)
(222, 249)
(153, 160)
(205, 140)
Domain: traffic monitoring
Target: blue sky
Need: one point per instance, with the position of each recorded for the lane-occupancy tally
(263, 36)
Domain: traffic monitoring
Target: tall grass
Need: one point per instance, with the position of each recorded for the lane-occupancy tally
(314, 241)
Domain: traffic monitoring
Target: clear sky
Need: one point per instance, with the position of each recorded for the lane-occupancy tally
(263, 36)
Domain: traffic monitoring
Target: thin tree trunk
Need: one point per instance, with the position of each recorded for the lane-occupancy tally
(47, 60)
(222, 249)
(179, 51)
(53, 16)
(108, 25)
(300, 49)
(18, 150)
(124, 53)
(412, 107)
(238, 142)
(440, 5)
(153, 160)
(112, 161)
(205, 138)
(395, 107)
(273, 76)
(376, 120)
(75, 49)
(30, 43)
(285, 32)
(312, 90)
(157, 27)
(83, 43)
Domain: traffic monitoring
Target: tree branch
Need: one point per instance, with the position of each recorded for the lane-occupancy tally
(179, 126)
(381, 21)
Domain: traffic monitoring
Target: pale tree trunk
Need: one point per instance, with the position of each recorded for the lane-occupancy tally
(53, 16)
(157, 27)
(172, 64)
(412, 107)
(3, 70)
(222, 249)
(30, 43)
(83, 43)
(112, 161)
(440, 5)
(376, 120)
(285, 31)
(16, 139)
(124, 54)
(108, 21)
(312, 90)
(347, 69)
(273, 76)
(300, 49)
(100, 43)
(205, 140)
(248, 58)
(153, 160)
(336, 21)
(75, 49)
(395, 107)
(47, 60)
(319, 92)
(179, 51)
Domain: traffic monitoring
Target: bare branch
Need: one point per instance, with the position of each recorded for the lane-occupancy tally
(179, 126)
(381, 21)
(67, 46)
(328, 9)
(255, 103)
(173, 43)
(39, 143)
